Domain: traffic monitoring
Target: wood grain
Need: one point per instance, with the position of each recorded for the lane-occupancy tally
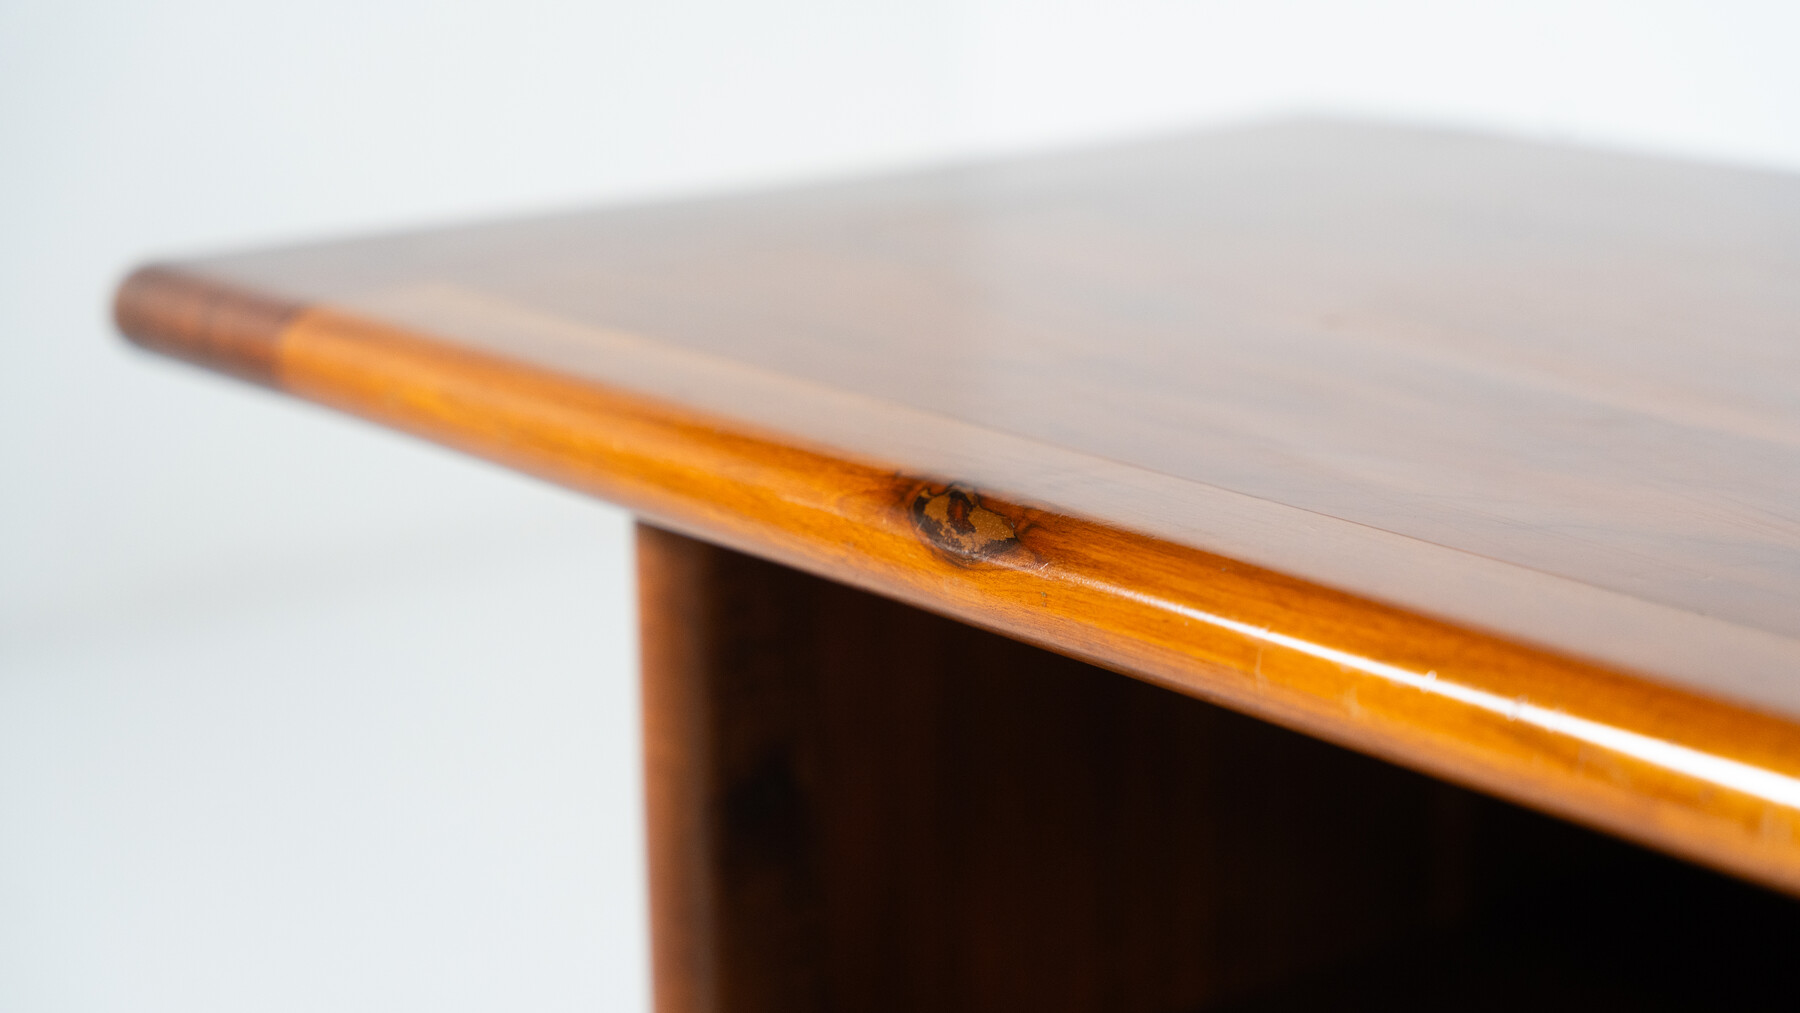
(1557, 563)
(1504, 383)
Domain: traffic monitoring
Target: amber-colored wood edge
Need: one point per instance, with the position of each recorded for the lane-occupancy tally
(1702, 778)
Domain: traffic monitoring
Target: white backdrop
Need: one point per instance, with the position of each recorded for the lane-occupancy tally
(298, 715)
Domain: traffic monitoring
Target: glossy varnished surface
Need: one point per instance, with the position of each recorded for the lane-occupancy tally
(1477, 455)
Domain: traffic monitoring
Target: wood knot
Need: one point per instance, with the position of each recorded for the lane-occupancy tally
(953, 521)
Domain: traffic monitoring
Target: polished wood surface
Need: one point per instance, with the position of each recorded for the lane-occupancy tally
(1471, 454)
(856, 805)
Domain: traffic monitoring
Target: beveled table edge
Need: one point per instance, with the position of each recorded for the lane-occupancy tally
(1704, 778)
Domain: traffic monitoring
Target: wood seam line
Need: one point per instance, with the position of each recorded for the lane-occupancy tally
(203, 321)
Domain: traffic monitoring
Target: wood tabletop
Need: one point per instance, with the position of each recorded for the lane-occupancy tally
(1477, 455)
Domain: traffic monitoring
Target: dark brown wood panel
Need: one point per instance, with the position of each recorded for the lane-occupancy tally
(858, 805)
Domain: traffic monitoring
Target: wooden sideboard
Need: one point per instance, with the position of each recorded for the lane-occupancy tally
(1447, 481)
